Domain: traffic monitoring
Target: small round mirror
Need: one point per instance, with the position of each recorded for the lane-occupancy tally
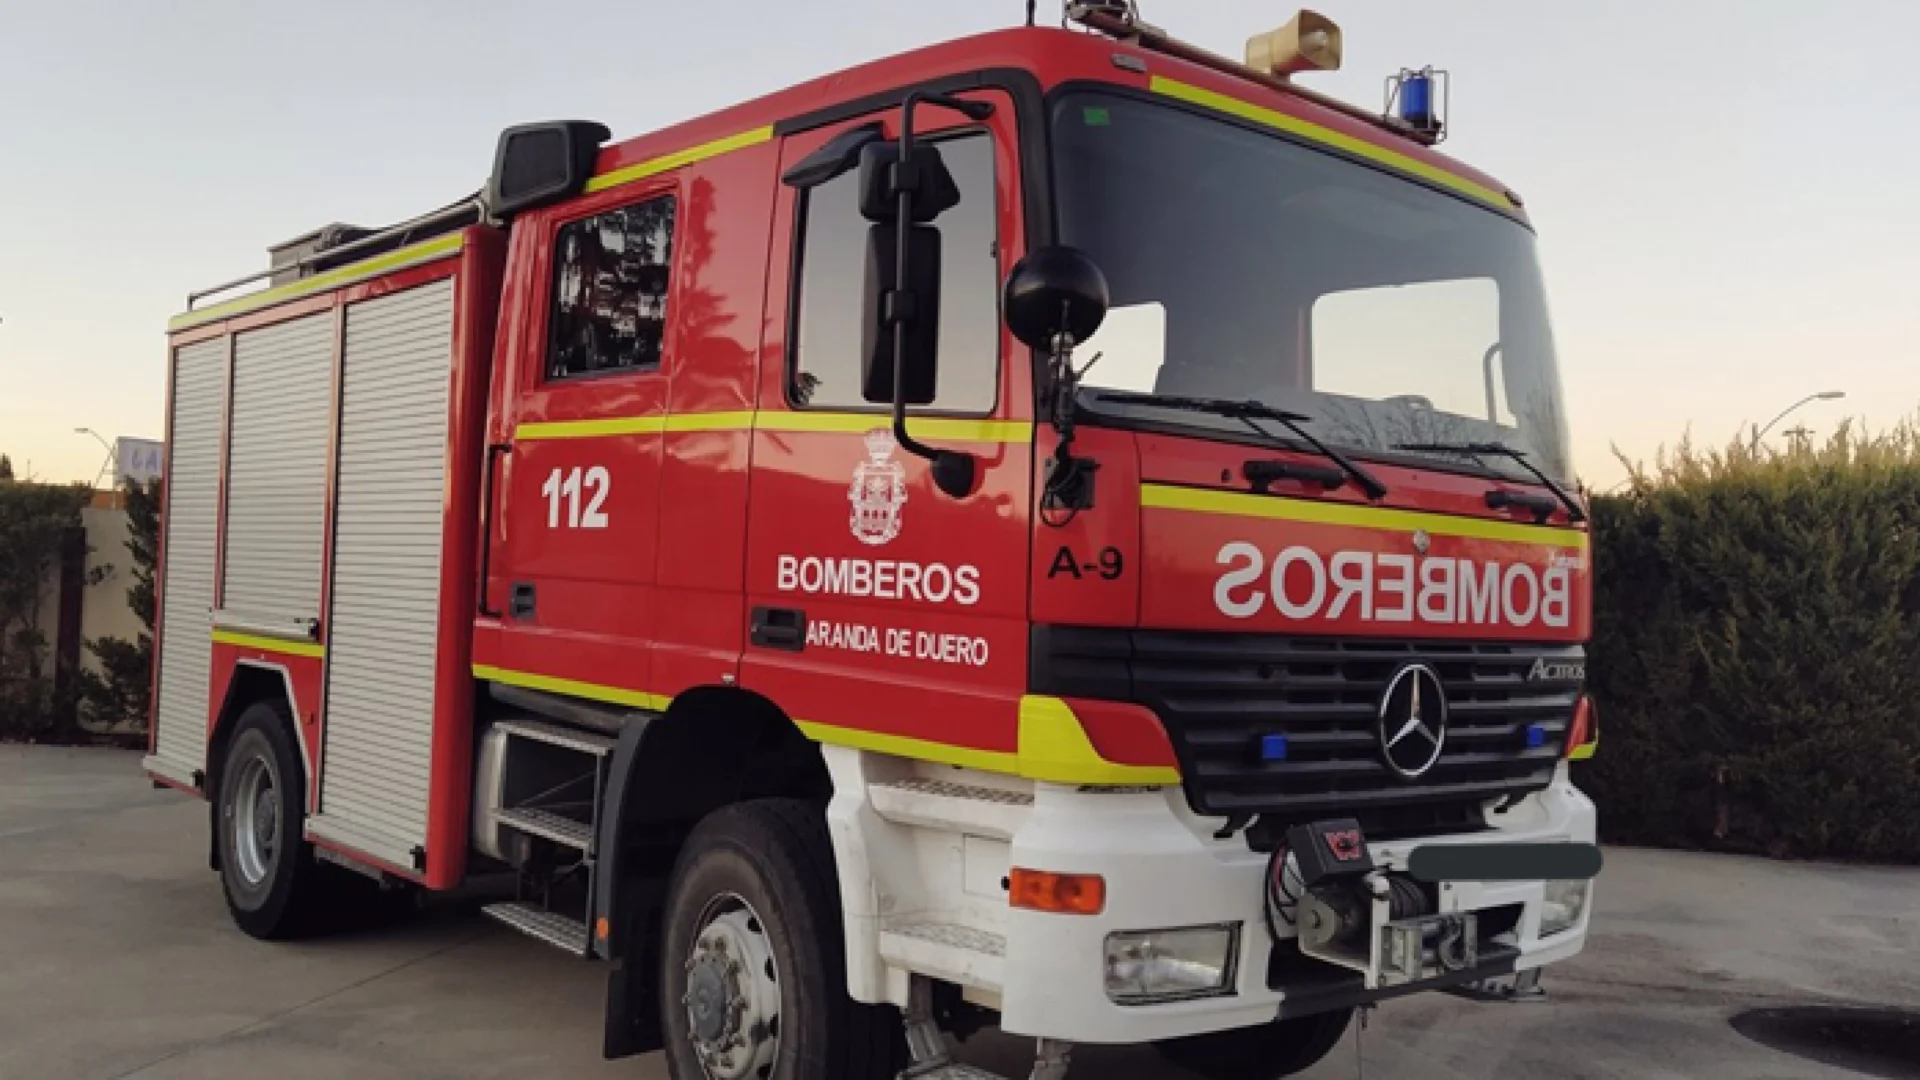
(1055, 290)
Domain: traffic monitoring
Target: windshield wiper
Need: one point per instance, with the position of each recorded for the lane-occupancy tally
(1482, 449)
(1247, 412)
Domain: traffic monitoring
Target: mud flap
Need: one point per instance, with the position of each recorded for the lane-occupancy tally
(633, 979)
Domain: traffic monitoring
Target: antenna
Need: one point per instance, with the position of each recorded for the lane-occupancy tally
(1030, 4)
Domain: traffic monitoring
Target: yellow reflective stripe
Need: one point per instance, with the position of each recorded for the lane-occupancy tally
(711, 421)
(588, 429)
(1584, 750)
(256, 641)
(1236, 504)
(1306, 129)
(1054, 747)
(925, 427)
(411, 255)
(613, 695)
(675, 160)
(904, 746)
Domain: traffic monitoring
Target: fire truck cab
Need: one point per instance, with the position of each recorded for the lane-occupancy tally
(1038, 530)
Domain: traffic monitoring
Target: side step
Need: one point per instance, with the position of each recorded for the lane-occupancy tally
(959, 954)
(941, 804)
(567, 935)
(585, 742)
(549, 826)
(952, 1071)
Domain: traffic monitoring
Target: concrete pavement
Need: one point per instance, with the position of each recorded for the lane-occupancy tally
(117, 961)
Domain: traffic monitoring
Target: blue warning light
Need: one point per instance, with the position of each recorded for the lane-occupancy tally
(1417, 98)
(1416, 101)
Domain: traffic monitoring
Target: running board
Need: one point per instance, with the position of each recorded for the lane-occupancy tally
(567, 935)
(586, 742)
(548, 826)
(958, 954)
(943, 804)
(952, 1071)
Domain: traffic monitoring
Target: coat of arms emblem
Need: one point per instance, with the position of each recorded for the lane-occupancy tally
(879, 491)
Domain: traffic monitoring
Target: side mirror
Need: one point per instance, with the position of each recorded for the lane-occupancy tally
(536, 164)
(919, 181)
(1054, 291)
(902, 187)
(907, 295)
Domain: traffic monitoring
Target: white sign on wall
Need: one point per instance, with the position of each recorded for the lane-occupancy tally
(137, 459)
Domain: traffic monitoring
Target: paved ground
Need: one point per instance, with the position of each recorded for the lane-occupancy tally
(117, 960)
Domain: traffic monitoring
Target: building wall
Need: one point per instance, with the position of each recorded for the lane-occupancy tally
(104, 610)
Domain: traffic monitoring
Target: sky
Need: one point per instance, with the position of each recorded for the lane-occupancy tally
(1722, 188)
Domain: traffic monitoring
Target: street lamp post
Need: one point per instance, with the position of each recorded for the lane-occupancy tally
(110, 460)
(1824, 395)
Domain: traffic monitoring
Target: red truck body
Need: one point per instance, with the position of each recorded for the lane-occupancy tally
(634, 538)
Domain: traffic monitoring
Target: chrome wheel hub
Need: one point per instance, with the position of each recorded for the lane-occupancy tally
(255, 813)
(733, 992)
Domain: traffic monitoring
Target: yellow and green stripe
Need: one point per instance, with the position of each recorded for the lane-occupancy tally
(679, 159)
(412, 255)
(1338, 140)
(1317, 512)
(1053, 746)
(264, 643)
(440, 247)
(947, 429)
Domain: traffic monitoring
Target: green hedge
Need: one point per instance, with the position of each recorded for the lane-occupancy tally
(33, 520)
(1756, 651)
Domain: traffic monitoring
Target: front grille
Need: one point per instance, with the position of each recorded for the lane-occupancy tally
(1219, 694)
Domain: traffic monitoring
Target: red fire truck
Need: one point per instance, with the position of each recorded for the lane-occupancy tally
(1041, 530)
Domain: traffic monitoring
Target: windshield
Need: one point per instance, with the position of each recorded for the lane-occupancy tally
(1243, 266)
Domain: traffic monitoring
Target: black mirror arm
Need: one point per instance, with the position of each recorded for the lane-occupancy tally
(954, 472)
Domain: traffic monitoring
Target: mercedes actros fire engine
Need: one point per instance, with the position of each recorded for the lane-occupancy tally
(1047, 530)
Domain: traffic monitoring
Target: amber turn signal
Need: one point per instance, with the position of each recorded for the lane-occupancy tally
(1065, 894)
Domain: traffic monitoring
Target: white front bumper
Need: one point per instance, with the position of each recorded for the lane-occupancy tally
(1163, 869)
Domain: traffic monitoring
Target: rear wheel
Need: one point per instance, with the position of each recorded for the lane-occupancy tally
(1276, 1049)
(274, 889)
(753, 971)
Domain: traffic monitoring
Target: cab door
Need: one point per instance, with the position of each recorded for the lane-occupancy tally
(572, 582)
(883, 613)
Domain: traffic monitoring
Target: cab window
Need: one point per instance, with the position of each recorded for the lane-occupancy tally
(825, 371)
(610, 278)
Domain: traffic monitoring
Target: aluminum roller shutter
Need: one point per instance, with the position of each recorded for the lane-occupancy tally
(277, 480)
(382, 635)
(191, 535)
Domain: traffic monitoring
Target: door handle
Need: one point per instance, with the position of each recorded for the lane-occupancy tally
(520, 606)
(486, 523)
(779, 628)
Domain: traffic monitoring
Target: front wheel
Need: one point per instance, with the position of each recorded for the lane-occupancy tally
(753, 971)
(1272, 1050)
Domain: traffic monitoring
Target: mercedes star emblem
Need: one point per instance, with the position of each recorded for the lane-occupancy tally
(1413, 721)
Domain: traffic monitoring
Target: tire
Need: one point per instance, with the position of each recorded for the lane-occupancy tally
(1279, 1048)
(274, 888)
(761, 875)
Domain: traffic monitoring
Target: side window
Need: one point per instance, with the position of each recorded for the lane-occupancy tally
(833, 256)
(610, 276)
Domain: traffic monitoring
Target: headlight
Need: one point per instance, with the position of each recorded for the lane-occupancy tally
(1145, 966)
(1566, 901)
